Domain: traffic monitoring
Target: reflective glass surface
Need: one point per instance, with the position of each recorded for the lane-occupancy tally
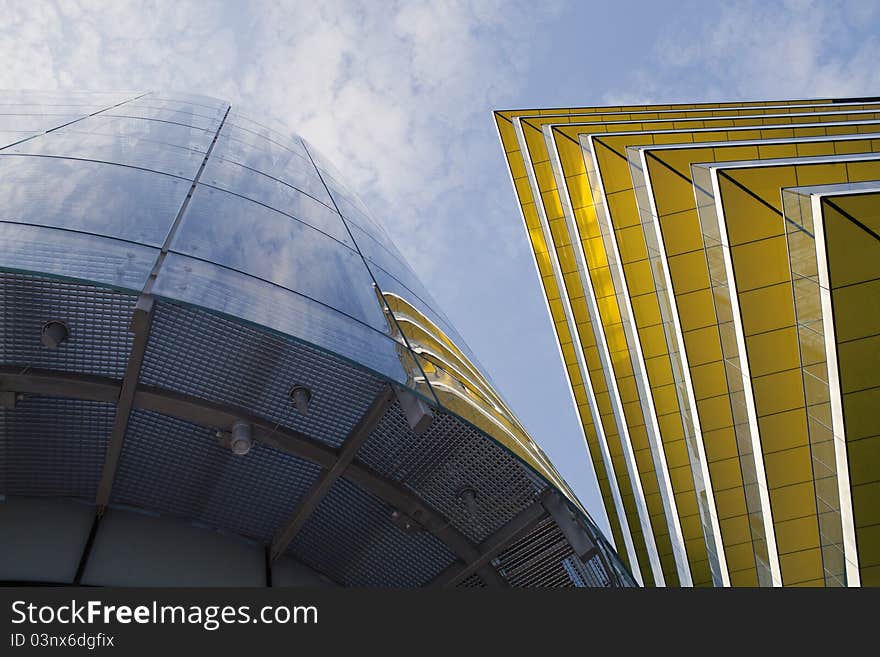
(97, 198)
(161, 132)
(281, 196)
(229, 230)
(376, 253)
(129, 151)
(68, 254)
(392, 287)
(8, 137)
(352, 208)
(268, 128)
(171, 116)
(211, 286)
(324, 165)
(34, 122)
(177, 106)
(271, 159)
(195, 99)
(254, 234)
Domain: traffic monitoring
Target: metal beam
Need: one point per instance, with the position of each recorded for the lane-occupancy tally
(418, 414)
(87, 550)
(212, 414)
(167, 402)
(77, 120)
(140, 325)
(430, 520)
(356, 437)
(205, 413)
(583, 544)
(516, 528)
(268, 562)
(59, 384)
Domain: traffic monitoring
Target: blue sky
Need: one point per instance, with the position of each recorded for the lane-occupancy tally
(399, 95)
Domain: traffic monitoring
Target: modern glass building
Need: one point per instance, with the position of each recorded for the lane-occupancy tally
(217, 369)
(711, 271)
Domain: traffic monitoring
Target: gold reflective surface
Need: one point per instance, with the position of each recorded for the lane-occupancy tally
(644, 321)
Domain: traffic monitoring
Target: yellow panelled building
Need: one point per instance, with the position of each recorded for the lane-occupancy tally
(712, 272)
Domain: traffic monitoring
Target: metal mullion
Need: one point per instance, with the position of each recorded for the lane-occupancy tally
(307, 506)
(64, 125)
(140, 325)
(847, 513)
(637, 360)
(678, 334)
(585, 375)
(748, 394)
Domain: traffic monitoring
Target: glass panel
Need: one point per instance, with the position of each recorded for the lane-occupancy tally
(268, 128)
(8, 137)
(377, 254)
(195, 99)
(129, 151)
(272, 160)
(148, 102)
(146, 129)
(183, 118)
(210, 286)
(287, 169)
(325, 165)
(48, 110)
(34, 122)
(253, 134)
(264, 139)
(35, 249)
(230, 230)
(342, 193)
(363, 220)
(392, 288)
(50, 98)
(277, 195)
(103, 199)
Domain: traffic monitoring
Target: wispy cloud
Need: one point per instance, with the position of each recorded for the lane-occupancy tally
(392, 93)
(398, 94)
(761, 50)
(388, 91)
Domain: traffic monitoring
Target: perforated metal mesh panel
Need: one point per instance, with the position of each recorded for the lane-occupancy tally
(207, 356)
(600, 574)
(449, 457)
(167, 466)
(353, 540)
(471, 582)
(583, 574)
(537, 559)
(54, 447)
(96, 317)
(180, 469)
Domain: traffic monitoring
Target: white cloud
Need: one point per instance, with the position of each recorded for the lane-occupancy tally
(397, 94)
(390, 92)
(762, 50)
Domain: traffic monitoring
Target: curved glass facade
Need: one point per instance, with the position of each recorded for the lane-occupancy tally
(185, 206)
